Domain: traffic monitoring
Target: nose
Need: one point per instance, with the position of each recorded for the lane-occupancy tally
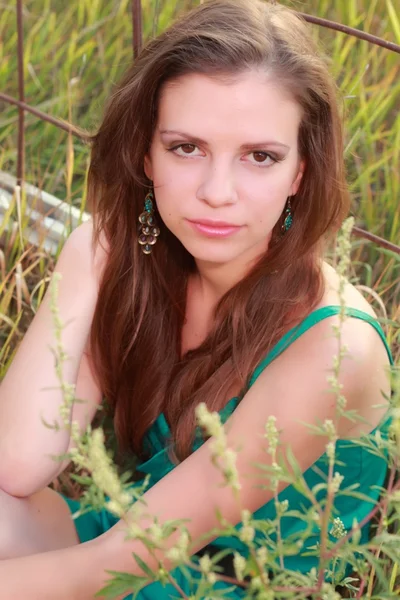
(218, 187)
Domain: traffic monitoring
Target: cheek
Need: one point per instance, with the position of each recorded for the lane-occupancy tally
(171, 187)
(172, 191)
(168, 187)
(168, 206)
(265, 213)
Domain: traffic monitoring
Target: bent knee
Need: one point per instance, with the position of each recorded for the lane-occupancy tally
(38, 523)
(11, 523)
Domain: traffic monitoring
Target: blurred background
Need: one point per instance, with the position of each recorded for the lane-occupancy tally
(75, 51)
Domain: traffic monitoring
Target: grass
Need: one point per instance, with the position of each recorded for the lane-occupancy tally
(75, 52)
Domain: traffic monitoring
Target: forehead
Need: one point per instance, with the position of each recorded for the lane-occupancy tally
(249, 105)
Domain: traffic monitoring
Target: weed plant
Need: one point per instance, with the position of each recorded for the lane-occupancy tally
(260, 568)
(76, 51)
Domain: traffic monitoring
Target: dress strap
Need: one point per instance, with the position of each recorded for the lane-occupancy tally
(312, 319)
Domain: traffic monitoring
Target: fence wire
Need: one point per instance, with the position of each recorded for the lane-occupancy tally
(137, 41)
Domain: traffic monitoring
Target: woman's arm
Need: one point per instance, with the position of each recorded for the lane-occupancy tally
(294, 389)
(75, 573)
(30, 389)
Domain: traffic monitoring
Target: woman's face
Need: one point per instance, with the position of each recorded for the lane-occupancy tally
(224, 153)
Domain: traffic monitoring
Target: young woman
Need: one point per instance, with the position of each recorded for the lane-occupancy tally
(216, 178)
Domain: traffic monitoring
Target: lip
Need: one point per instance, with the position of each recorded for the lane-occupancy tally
(214, 228)
(210, 223)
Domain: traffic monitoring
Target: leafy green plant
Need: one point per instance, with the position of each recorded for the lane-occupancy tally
(75, 52)
(260, 570)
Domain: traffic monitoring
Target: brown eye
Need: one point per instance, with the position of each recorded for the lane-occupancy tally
(260, 155)
(183, 150)
(263, 159)
(186, 146)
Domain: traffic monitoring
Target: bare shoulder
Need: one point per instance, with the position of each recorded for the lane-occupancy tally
(80, 247)
(304, 366)
(352, 295)
(363, 341)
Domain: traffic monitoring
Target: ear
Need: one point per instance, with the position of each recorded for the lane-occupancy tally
(296, 183)
(148, 167)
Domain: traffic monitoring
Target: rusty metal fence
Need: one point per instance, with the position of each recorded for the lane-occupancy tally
(136, 12)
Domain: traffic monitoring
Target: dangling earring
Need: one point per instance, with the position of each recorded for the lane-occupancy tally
(148, 228)
(288, 222)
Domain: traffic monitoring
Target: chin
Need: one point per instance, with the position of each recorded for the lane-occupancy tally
(210, 252)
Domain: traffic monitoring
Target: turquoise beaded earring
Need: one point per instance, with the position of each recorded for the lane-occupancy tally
(288, 222)
(148, 230)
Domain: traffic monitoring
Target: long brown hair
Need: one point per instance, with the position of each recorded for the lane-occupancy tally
(136, 330)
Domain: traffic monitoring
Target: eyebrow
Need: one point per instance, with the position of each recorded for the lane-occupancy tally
(197, 140)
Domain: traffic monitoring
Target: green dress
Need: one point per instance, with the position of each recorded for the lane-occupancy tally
(360, 466)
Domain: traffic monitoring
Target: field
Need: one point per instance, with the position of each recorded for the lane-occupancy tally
(75, 52)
